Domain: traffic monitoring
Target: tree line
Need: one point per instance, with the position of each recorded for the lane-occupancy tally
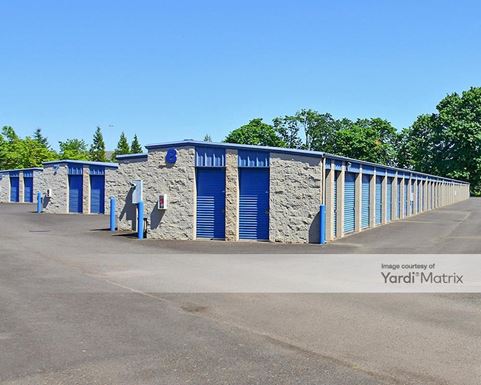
(446, 142)
(32, 151)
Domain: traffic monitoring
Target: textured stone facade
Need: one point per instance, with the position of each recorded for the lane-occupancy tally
(5, 187)
(176, 180)
(21, 189)
(231, 196)
(86, 190)
(37, 183)
(55, 179)
(295, 196)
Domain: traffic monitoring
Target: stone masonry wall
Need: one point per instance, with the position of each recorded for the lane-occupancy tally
(86, 190)
(231, 197)
(21, 189)
(37, 183)
(5, 187)
(295, 196)
(177, 181)
(117, 184)
(57, 180)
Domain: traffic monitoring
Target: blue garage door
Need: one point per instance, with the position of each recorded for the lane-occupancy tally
(406, 197)
(422, 195)
(418, 197)
(334, 217)
(210, 203)
(97, 194)
(378, 199)
(399, 184)
(349, 202)
(28, 189)
(398, 205)
(254, 203)
(366, 201)
(411, 198)
(389, 199)
(75, 194)
(14, 189)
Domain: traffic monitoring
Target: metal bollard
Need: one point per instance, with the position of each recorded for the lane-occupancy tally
(140, 222)
(113, 225)
(322, 224)
(39, 202)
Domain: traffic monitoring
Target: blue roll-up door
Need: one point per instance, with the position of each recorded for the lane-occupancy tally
(349, 202)
(419, 197)
(254, 203)
(389, 199)
(75, 193)
(366, 201)
(411, 198)
(406, 197)
(398, 212)
(210, 203)
(14, 189)
(97, 194)
(378, 200)
(28, 189)
(422, 197)
(334, 217)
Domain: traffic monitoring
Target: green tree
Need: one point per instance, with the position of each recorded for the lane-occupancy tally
(287, 128)
(318, 130)
(448, 142)
(372, 140)
(135, 147)
(16, 152)
(97, 149)
(34, 153)
(39, 138)
(207, 138)
(122, 146)
(11, 149)
(75, 149)
(256, 132)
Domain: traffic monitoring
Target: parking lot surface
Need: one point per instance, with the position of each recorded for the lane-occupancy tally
(79, 305)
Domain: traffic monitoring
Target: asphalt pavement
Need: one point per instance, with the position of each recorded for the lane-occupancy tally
(79, 305)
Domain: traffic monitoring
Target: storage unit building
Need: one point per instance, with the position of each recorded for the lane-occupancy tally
(20, 185)
(237, 192)
(75, 186)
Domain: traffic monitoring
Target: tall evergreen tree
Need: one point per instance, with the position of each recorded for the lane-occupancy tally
(135, 147)
(97, 149)
(122, 146)
(40, 139)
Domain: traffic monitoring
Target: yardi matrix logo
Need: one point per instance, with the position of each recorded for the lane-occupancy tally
(400, 274)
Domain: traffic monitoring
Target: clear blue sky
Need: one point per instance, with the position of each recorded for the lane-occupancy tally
(170, 70)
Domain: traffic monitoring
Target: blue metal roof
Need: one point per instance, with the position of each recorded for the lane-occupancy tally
(24, 169)
(131, 156)
(85, 162)
(318, 154)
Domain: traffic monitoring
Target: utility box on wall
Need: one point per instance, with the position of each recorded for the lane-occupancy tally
(162, 203)
(137, 193)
